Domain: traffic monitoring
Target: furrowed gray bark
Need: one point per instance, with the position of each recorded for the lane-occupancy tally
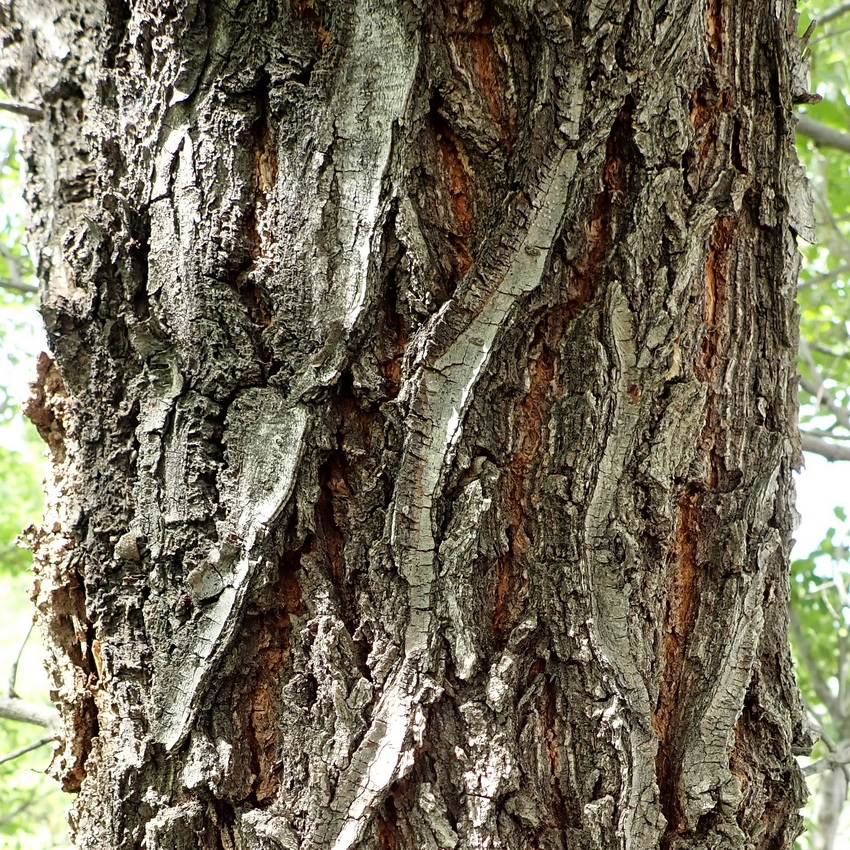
(423, 416)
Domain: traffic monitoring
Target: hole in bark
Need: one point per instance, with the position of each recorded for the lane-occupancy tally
(387, 833)
(738, 149)
(118, 14)
(392, 331)
(333, 489)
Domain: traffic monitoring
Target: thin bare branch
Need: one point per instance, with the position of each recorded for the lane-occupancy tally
(21, 807)
(836, 354)
(819, 446)
(28, 749)
(822, 134)
(17, 287)
(819, 391)
(13, 708)
(828, 35)
(826, 277)
(834, 238)
(833, 13)
(824, 397)
(828, 433)
(14, 280)
(834, 760)
(824, 736)
(840, 587)
(819, 684)
(31, 112)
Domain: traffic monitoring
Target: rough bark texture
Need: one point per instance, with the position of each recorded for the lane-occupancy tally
(423, 417)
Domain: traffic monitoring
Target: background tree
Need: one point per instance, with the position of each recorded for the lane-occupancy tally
(422, 420)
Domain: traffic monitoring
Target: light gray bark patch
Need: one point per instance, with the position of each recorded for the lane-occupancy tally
(341, 192)
(377, 78)
(264, 438)
(458, 553)
(162, 383)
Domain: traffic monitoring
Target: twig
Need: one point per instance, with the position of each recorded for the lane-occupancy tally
(31, 112)
(839, 245)
(840, 758)
(818, 682)
(13, 673)
(28, 749)
(827, 35)
(22, 807)
(829, 433)
(825, 737)
(838, 584)
(837, 355)
(819, 391)
(823, 396)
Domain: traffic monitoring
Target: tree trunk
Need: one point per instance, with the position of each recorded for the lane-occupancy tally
(831, 796)
(423, 417)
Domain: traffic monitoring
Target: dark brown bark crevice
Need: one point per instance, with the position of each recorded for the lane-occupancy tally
(564, 804)
(521, 469)
(452, 168)
(387, 826)
(308, 12)
(716, 15)
(719, 270)
(674, 712)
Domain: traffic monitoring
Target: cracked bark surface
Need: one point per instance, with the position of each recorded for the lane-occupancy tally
(423, 417)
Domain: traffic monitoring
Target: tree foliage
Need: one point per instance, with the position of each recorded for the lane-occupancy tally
(824, 292)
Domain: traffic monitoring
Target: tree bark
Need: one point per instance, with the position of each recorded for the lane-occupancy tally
(423, 418)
